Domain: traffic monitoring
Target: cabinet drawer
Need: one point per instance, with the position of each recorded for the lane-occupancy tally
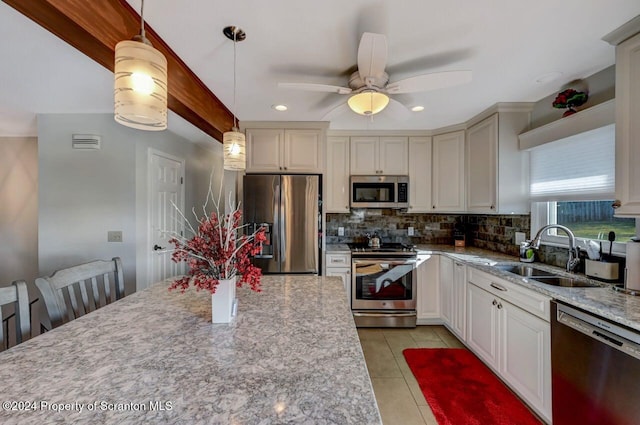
(338, 260)
(522, 297)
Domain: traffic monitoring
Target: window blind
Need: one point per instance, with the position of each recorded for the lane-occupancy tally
(577, 168)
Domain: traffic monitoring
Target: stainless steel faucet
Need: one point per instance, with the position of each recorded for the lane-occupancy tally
(574, 258)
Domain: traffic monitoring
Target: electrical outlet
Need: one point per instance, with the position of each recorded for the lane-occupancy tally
(114, 236)
(340, 231)
(410, 231)
(520, 237)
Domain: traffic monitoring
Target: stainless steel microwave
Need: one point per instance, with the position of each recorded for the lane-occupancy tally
(379, 192)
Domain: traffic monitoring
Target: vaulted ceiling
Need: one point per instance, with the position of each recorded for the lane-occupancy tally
(517, 50)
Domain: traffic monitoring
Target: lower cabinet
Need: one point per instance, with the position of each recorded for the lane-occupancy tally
(428, 289)
(514, 342)
(339, 264)
(453, 300)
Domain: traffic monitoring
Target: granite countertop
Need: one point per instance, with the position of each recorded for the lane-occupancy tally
(292, 355)
(600, 299)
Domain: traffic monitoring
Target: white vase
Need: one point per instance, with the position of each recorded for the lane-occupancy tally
(223, 302)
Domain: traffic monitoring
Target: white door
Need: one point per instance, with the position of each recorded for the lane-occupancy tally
(166, 188)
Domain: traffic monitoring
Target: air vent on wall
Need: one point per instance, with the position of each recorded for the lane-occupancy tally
(86, 141)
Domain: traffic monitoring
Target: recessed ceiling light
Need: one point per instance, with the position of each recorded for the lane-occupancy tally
(549, 76)
(280, 108)
(417, 108)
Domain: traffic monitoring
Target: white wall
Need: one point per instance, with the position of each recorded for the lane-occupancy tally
(84, 194)
(18, 209)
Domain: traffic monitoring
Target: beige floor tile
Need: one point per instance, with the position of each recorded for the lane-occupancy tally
(398, 341)
(381, 362)
(427, 415)
(432, 344)
(425, 333)
(453, 342)
(396, 404)
(412, 383)
(371, 334)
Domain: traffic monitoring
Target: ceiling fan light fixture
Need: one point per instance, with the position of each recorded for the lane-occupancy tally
(140, 83)
(233, 142)
(280, 108)
(368, 102)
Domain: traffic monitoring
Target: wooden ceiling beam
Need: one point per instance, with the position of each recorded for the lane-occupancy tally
(95, 27)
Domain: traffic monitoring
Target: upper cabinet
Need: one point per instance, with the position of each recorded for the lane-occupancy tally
(372, 155)
(628, 127)
(448, 172)
(497, 170)
(419, 175)
(337, 175)
(284, 150)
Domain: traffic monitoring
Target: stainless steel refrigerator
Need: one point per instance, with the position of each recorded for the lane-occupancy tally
(288, 206)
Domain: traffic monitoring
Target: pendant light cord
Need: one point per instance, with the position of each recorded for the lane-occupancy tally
(142, 20)
(235, 33)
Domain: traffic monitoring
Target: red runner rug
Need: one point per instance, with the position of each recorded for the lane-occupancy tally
(461, 390)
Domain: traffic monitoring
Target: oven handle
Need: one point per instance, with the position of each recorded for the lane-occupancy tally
(391, 313)
(382, 261)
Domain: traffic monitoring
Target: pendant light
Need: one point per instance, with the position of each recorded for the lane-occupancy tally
(140, 86)
(233, 142)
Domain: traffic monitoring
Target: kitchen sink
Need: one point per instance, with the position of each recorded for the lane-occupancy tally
(543, 276)
(524, 270)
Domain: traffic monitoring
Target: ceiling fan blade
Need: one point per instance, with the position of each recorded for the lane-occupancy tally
(315, 87)
(426, 82)
(335, 112)
(372, 55)
(397, 110)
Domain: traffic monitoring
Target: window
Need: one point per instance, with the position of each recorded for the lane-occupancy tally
(572, 183)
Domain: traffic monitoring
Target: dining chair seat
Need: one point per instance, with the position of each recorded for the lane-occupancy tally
(17, 295)
(75, 291)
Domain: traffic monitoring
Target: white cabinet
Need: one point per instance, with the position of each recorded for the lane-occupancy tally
(284, 150)
(453, 301)
(628, 127)
(515, 342)
(337, 175)
(419, 174)
(448, 172)
(339, 264)
(428, 289)
(372, 155)
(497, 170)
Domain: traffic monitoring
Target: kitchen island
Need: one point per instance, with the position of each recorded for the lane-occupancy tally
(292, 355)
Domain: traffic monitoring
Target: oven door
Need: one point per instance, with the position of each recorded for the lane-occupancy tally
(383, 284)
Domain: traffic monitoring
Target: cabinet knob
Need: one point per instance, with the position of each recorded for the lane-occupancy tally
(494, 302)
(433, 206)
(616, 204)
(493, 207)
(499, 306)
(285, 168)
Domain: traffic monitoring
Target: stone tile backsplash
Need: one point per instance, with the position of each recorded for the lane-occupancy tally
(494, 232)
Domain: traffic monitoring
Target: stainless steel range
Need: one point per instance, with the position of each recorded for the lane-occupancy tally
(383, 285)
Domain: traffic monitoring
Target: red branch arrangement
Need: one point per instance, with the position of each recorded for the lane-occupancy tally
(215, 251)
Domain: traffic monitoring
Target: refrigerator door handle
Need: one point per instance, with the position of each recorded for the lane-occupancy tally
(276, 222)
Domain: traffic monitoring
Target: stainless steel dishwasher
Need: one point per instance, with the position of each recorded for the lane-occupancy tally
(595, 367)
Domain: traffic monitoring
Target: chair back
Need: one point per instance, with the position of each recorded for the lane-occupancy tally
(17, 295)
(75, 291)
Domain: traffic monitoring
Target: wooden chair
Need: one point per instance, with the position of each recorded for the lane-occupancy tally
(17, 295)
(92, 281)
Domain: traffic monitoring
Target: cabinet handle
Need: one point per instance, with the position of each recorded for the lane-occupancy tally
(616, 204)
(498, 287)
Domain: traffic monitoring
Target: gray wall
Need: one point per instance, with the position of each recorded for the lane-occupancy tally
(84, 194)
(18, 209)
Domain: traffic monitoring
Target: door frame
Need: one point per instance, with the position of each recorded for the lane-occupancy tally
(148, 250)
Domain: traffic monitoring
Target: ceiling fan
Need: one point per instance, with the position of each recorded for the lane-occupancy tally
(370, 87)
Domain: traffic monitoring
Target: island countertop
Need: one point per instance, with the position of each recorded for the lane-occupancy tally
(292, 355)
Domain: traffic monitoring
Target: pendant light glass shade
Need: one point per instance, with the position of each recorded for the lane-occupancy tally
(140, 86)
(368, 102)
(234, 149)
